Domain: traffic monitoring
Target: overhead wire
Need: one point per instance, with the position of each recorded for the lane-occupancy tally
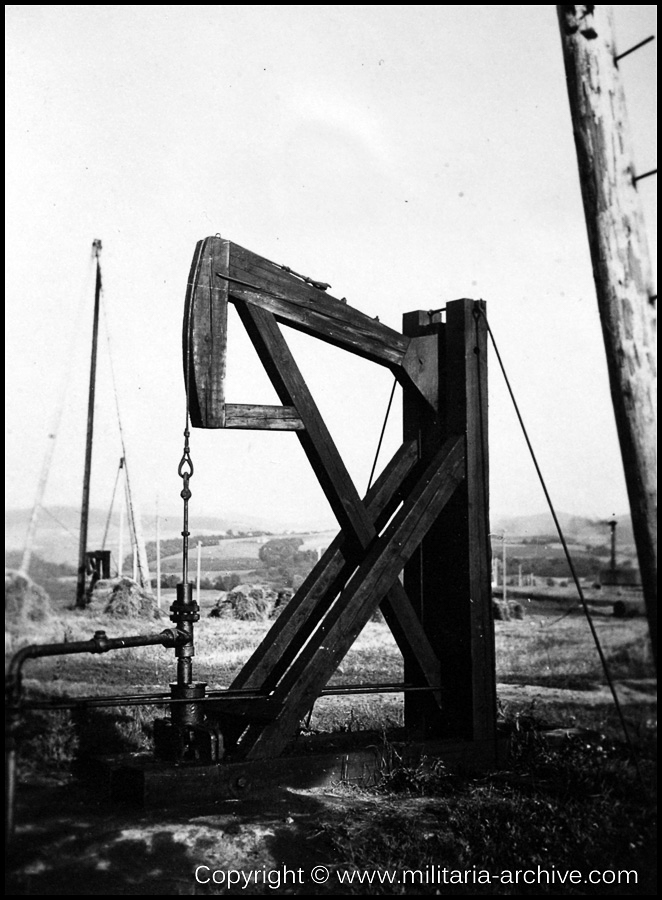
(589, 618)
(381, 436)
(61, 524)
(134, 523)
(56, 421)
(112, 502)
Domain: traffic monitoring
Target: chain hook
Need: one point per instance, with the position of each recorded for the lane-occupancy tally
(186, 461)
(185, 471)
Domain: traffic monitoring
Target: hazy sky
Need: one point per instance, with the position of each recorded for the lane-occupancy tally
(407, 155)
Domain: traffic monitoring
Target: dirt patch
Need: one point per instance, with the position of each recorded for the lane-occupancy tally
(71, 840)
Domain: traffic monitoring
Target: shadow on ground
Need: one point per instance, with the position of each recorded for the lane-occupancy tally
(67, 841)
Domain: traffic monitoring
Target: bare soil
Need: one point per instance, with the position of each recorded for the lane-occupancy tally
(70, 839)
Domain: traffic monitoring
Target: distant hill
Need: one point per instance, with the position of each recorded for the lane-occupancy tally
(576, 529)
(56, 538)
(58, 526)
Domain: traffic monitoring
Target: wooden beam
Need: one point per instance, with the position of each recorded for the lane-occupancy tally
(422, 574)
(466, 398)
(316, 440)
(222, 271)
(377, 572)
(308, 309)
(245, 276)
(626, 294)
(332, 474)
(303, 613)
(447, 578)
(205, 334)
(368, 340)
(265, 418)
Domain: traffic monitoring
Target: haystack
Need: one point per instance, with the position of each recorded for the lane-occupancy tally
(249, 602)
(282, 599)
(123, 598)
(505, 610)
(26, 602)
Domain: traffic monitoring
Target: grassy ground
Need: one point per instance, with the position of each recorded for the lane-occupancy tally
(565, 801)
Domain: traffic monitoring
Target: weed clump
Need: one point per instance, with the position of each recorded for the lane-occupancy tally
(577, 806)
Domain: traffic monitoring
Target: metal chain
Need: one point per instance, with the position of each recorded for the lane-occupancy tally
(185, 469)
(185, 472)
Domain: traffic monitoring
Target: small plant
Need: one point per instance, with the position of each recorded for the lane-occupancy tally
(578, 805)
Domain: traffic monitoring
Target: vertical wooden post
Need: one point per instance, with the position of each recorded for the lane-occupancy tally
(199, 572)
(612, 525)
(448, 578)
(158, 559)
(85, 506)
(621, 265)
(120, 547)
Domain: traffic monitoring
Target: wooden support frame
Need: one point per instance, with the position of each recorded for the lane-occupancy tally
(433, 495)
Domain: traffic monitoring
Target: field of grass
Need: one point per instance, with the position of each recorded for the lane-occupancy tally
(550, 648)
(578, 803)
(240, 553)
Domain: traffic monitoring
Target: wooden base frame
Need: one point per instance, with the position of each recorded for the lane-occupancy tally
(141, 781)
(417, 545)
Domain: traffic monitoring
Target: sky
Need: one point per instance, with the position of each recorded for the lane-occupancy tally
(406, 155)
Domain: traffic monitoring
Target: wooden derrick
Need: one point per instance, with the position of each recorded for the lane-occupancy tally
(426, 515)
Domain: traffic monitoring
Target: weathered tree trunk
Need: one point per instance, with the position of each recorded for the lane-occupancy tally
(621, 265)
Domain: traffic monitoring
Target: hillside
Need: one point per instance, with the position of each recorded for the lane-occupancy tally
(57, 533)
(576, 529)
(58, 527)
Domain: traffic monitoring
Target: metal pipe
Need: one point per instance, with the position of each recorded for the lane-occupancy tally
(184, 612)
(100, 643)
(164, 699)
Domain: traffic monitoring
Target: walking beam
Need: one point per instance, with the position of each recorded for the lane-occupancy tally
(417, 545)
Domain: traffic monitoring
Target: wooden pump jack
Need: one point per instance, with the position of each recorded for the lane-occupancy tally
(416, 545)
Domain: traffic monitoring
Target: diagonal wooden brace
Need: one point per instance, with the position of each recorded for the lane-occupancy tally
(380, 567)
(333, 477)
(303, 613)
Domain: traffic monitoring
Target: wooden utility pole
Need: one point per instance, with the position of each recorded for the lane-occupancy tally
(199, 572)
(82, 547)
(158, 558)
(627, 301)
(120, 549)
(140, 566)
